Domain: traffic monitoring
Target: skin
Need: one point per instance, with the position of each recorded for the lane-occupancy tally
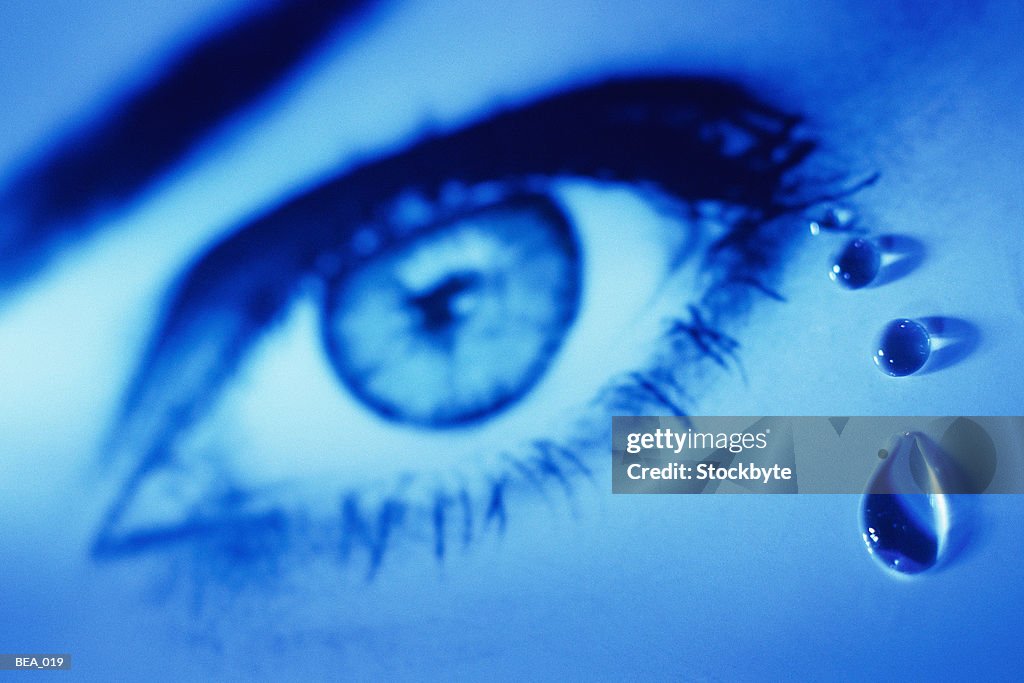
(708, 588)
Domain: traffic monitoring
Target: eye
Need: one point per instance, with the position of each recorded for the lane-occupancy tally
(449, 281)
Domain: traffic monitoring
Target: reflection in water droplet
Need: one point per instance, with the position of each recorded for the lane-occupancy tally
(973, 451)
(908, 521)
(896, 537)
(903, 348)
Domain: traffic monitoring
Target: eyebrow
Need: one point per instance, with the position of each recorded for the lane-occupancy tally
(110, 161)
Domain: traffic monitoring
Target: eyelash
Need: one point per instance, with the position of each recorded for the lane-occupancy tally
(745, 152)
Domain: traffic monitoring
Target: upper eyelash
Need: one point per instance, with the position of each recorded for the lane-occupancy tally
(638, 117)
(702, 113)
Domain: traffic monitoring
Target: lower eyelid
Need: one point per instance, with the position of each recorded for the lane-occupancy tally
(483, 509)
(371, 524)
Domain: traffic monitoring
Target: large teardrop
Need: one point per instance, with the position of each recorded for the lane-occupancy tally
(909, 508)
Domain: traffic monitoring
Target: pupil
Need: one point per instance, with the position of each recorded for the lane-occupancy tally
(438, 307)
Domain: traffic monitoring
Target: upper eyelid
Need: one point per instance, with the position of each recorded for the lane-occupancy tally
(655, 129)
(652, 129)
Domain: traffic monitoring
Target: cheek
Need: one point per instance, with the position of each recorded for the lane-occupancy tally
(70, 339)
(67, 346)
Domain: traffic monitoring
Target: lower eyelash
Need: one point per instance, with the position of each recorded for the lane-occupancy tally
(368, 525)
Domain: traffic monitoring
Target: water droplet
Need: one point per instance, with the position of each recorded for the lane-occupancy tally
(835, 218)
(903, 348)
(857, 264)
(908, 521)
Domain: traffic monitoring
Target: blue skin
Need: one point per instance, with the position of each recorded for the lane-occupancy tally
(659, 584)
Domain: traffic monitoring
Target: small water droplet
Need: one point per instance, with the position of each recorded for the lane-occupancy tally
(857, 264)
(903, 348)
(907, 521)
(835, 218)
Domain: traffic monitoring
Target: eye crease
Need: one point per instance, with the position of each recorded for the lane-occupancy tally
(725, 157)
